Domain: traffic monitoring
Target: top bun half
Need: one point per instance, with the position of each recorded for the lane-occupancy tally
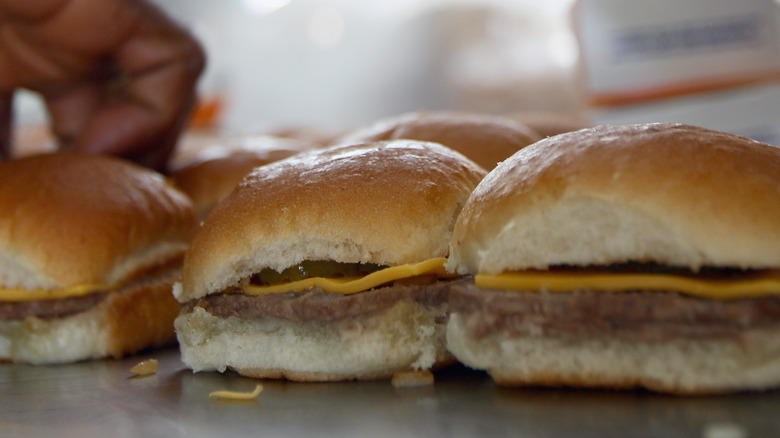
(666, 193)
(210, 174)
(486, 139)
(70, 219)
(387, 203)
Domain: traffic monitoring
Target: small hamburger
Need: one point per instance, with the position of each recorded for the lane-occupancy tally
(211, 172)
(484, 138)
(89, 249)
(327, 265)
(620, 257)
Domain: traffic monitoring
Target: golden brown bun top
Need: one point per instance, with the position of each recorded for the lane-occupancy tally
(549, 123)
(388, 203)
(308, 133)
(667, 193)
(210, 173)
(70, 218)
(486, 139)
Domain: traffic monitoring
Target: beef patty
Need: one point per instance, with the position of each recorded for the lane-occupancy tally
(59, 307)
(318, 305)
(642, 315)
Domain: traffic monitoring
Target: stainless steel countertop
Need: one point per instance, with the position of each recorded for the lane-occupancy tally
(101, 398)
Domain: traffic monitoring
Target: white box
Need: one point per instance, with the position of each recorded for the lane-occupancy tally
(636, 50)
(752, 111)
(711, 63)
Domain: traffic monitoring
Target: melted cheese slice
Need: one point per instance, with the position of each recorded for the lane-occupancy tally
(18, 295)
(351, 285)
(762, 284)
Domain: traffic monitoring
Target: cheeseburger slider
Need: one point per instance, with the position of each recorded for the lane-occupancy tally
(209, 174)
(327, 265)
(485, 139)
(631, 256)
(89, 249)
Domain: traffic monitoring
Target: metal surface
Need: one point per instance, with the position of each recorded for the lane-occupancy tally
(101, 398)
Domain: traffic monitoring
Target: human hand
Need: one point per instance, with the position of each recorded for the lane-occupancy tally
(117, 76)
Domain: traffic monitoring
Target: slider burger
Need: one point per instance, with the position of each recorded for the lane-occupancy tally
(211, 172)
(327, 265)
(631, 256)
(486, 139)
(89, 249)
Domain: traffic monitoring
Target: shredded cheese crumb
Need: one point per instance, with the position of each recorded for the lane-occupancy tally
(145, 367)
(412, 379)
(236, 395)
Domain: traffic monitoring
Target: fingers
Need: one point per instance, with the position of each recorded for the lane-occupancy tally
(141, 121)
(72, 109)
(6, 120)
(139, 110)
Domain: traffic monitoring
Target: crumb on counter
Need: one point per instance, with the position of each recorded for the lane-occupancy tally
(412, 379)
(236, 395)
(145, 367)
(724, 430)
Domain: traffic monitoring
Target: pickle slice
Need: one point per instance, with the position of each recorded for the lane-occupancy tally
(314, 268)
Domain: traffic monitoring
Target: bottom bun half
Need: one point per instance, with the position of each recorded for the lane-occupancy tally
(662, 342)
(677, 367)
(404, 336)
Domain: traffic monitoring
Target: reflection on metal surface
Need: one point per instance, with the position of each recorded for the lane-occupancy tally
(98, 399)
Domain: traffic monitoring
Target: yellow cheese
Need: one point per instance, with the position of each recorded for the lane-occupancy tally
(145, 367)
(762, 284)
(351, 285)
(236, 395)
(17, 295)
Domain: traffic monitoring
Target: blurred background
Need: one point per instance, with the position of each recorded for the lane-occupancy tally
(339, 63)
(336, 64)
